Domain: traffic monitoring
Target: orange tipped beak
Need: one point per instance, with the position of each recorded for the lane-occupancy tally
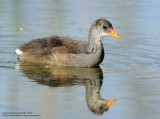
(109, 103)
(114, 34)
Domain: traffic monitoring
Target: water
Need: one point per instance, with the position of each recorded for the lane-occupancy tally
(129, 73)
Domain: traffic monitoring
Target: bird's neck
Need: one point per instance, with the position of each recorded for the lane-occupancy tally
(94, 43)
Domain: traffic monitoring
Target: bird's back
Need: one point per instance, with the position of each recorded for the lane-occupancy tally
(46, 44)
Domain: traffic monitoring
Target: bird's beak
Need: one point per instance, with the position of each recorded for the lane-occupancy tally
(109, 103)
(114, 34)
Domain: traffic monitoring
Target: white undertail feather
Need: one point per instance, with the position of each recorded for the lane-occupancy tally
(18, 51)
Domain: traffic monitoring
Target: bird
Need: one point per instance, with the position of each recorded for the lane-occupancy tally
(62, 51)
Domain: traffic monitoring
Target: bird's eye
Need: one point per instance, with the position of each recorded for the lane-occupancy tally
(104, 27)
(101, 108)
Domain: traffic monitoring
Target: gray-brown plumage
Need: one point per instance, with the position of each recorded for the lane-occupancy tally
(60, 51)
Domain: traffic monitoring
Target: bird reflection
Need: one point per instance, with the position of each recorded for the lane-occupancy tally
(66, 76)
